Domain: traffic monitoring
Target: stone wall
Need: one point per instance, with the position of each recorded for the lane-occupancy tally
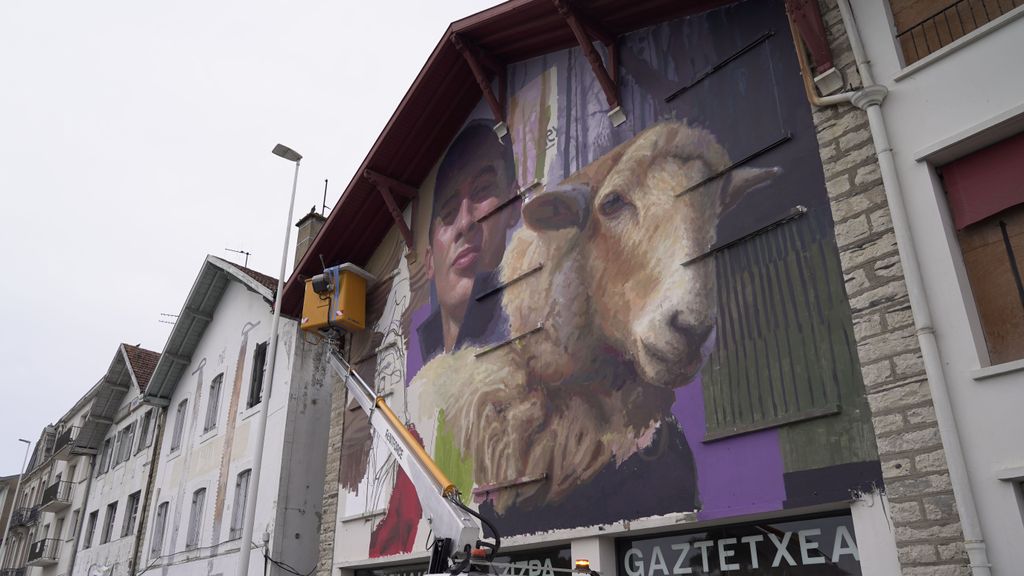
(329, 512)
(928, 535)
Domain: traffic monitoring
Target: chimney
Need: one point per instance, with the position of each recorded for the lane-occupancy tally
(309, 226)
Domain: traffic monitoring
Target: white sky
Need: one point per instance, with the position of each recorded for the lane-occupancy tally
(135, 139)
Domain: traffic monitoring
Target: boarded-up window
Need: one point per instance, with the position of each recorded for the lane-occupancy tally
(784, 346)
(986, 199)
(924, 26)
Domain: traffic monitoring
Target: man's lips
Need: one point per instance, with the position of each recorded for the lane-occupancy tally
(466, 258)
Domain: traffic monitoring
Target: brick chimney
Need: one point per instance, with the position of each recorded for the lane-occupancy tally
(309, 226)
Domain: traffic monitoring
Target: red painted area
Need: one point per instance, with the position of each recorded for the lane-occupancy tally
(396, 533)
(985, 182)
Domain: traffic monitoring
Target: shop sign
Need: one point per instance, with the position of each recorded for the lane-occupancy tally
(806, 547)
(531, 563)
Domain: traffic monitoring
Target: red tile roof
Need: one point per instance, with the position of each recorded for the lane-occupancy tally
(268, 281)
(142, 362)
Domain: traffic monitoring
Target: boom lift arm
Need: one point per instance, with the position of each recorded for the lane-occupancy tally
(456, 527)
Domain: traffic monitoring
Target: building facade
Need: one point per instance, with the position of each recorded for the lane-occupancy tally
(954, 113)
(648, 307)
(118, 496)
(211, 379)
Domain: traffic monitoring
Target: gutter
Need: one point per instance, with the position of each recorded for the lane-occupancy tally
(869, 98)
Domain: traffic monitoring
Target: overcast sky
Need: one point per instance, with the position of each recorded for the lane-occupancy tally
(135, 139)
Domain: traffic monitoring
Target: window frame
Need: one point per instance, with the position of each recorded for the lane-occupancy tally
(195, 519)
(145, 431)
(131, 515)
(240, 503)
(213, 403)
(108, 523)
(156, 543)
(180, 415)
(90, 529)
(257, 375)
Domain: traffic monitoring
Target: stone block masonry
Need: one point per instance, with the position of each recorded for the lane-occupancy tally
(926, 525)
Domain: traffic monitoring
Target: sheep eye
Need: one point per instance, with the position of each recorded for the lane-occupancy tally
(612, 205)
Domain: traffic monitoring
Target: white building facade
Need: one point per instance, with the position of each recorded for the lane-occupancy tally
(954, 114)
(212, 380)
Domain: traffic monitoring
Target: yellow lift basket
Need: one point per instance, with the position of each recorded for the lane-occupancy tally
(336, 299)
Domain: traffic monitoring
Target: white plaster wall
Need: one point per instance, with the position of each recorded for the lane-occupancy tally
(952, 96)
(115, 486)
(197, 463)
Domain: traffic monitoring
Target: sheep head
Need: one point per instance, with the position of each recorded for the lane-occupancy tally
(633, 226)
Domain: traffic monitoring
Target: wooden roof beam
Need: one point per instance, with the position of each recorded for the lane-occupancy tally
(383, 185)
(477, 60)
(605, 75)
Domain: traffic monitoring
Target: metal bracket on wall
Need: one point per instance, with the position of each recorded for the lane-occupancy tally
(516, 338)
(583, 29)
(478, 60)
(504, 285)
(703, 75)
(769, 147)
(517, 195)
(385, 185)
(794, 213)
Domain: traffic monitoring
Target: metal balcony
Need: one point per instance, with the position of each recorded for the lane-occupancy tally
(45, 552)
(24, 517)
(65, 444)
(57, 497)
(13, 572)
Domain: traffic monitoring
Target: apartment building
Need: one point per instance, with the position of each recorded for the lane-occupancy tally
(117, 501)
(211, 379)
(950, 100)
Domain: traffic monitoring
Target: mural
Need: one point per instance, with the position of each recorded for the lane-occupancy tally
(609, 323)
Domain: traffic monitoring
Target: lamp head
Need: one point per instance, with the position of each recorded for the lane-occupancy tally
(25, 441)
(287, 153)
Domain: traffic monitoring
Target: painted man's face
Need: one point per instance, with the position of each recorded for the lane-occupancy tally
(461, 245)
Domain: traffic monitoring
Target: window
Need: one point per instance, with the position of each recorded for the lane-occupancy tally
(156, 544)
(241, 499)
(125, 440)
(145, 429)
(179, 424)
(108, 523)
(195, 521)
(987, 205)
(90, 529)
(72, 470)
(259, 360)
(73, 530)
(58, 529)
(213, 403)
(105, 457)
(131, 514)
(924, 26)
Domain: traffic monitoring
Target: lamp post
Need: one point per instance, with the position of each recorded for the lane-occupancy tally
(14, 503)
(261, 421)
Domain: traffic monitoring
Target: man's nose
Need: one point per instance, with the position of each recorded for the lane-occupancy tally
(465, 220)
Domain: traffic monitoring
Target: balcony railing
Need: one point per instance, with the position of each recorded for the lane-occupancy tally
(949, 24)
(12, 572)
(24, 517)
(65, 442)
(56, 497)
(44, 552)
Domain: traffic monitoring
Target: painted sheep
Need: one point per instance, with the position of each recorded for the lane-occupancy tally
(624, 323)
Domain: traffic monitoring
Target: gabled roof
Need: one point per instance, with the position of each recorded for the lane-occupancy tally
(196, 314)
(438, 103)
(141, 362)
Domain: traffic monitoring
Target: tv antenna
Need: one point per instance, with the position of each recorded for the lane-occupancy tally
(166, 315)
(323, 209)
(247, 254)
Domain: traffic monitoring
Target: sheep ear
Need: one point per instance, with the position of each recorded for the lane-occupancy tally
(740, 181)
(558, 207)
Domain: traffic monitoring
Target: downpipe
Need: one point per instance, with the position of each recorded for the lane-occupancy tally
(870, 98)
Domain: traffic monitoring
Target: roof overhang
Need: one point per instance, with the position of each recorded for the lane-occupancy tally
(438, 103)
(195, 316)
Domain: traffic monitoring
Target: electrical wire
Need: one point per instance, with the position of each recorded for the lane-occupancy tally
(497, 537)
(287, 567)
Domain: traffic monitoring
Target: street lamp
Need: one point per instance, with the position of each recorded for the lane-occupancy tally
(261, 421)
(14, 502)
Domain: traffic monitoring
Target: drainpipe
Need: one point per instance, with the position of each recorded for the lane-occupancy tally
(82, 515)
(869, 98)
(159, 420)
